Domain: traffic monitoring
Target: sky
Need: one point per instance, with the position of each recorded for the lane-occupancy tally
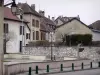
(88, 10)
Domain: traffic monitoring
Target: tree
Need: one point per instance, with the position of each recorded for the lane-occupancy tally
(8, 37)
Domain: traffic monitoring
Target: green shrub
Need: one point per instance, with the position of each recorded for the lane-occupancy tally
(75, 39)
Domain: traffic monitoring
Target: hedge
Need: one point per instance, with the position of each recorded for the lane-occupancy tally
(75, 39)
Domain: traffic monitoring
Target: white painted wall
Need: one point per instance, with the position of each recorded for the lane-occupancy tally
(73, 27)
(95, 36)
(14, 43)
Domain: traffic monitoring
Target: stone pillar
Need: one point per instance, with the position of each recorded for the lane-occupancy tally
(1, 36)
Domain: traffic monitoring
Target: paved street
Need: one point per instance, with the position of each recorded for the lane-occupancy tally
(86, 72)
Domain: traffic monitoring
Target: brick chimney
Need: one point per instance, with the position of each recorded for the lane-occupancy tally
(42, 12)
(33, 6)
(78, 17)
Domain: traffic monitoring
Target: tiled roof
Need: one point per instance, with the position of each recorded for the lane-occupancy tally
(46, 23)
(72, 20)
(65, 19)
(95, 25)
(27, 9)
(8, 15)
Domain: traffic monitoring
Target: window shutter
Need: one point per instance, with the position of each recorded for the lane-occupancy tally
(33, 36)
(20, 30)
(23, 30)
(26, 35)
(6, 30)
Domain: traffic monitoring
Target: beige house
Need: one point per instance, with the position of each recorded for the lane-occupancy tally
(73, 26)
(33, 17)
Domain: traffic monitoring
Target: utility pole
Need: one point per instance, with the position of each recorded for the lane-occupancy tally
(1, 35)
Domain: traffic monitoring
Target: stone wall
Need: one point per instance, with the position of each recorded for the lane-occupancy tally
(88, 52)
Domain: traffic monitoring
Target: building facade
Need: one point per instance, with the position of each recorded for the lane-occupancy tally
(15, 32)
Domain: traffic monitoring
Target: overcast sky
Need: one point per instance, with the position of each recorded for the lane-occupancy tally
(88, 10)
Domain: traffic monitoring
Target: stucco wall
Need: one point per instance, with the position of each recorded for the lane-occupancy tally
(73, 27)
(14, 31)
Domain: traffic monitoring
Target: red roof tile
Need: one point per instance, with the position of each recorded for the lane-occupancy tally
(8, 14)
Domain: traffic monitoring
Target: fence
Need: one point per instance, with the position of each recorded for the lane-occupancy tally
(64, 69)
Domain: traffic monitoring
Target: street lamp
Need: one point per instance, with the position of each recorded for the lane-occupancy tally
(14, 7)
(51, 40)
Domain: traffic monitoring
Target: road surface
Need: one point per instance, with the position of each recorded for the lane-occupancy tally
(86, 72)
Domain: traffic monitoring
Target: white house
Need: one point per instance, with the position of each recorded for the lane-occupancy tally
(96, 35)
(95, 27)
(17, 32)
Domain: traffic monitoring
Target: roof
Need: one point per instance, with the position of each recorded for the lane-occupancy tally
(45, 22)
(95, 25)
(9, 16)
(27, 9)
(72, 20)
(65, 19)
(98, 31)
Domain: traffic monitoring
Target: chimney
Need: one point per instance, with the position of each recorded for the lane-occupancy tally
(78, 17)
(49, 16)
(33, 6)
(42, 12)
(53, 18)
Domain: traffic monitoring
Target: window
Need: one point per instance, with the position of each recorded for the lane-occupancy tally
(33, 22)
(42, 35)
(20, 47)
(37, 35)
(33, 36)
(27, 35)
(37, 23)
(6, 30)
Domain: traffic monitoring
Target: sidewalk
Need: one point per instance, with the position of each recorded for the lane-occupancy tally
(65, 70)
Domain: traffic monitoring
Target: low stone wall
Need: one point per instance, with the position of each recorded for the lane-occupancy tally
(88, 52)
